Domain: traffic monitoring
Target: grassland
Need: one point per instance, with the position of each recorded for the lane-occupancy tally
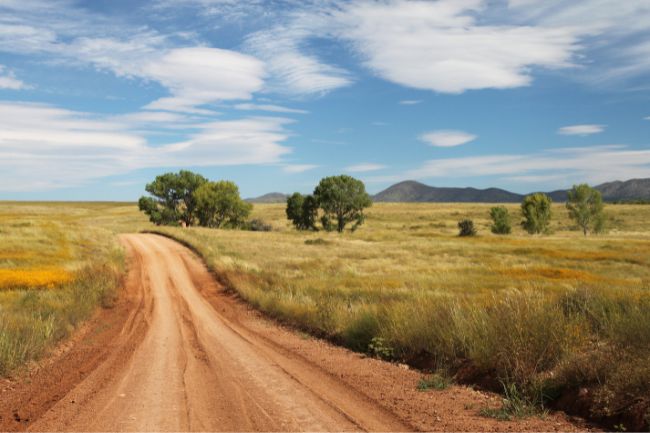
(57, 264)
(548, 315)
(545, 315)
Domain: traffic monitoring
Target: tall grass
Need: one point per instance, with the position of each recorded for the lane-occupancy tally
(543, 315)
(56, 267)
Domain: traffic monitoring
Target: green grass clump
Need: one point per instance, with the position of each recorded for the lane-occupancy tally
(438, 381)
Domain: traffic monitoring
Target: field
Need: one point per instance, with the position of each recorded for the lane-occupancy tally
(544, 315)
(57, 263)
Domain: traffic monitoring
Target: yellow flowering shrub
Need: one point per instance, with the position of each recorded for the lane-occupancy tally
(33, 278)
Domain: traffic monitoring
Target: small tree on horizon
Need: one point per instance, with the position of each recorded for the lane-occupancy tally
(343, 199)
(172, 198)
(218, 204)
(500, 220)
(536, 209)
(302, 210)
(585, 206)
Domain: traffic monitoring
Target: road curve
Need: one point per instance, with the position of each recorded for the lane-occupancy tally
(191, 368)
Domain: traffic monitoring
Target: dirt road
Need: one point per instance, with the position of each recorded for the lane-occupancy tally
(190, 357)
(196, 371)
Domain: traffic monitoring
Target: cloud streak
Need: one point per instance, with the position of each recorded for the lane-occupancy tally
(447, 138)
(582, 130)
(45, 147)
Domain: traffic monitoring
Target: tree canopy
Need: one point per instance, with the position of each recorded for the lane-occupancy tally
(536, 209)
(187, 198)
(302, 210)
(585, 206)
(342, 199)
(218, 204)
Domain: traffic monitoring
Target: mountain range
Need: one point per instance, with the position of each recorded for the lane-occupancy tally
(412, 191)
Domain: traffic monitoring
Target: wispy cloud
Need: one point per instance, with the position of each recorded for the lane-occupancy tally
(447, 138)
(270, 108)
(410, 102)
(8, 80)
(582, 164)
(364, 167)
(45, 147)
(587, 129)
(298, 168)
(292, 68)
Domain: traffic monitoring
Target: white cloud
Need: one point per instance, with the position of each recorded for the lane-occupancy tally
(581, 129)
(9, 81)
(364, 167)
(410, 102)
(647, 118)
(293, 69)
(269, 107)
(197, 76)
(441, 46)
(583, 164)
(447, 138)
(298, 168)
(44, 147)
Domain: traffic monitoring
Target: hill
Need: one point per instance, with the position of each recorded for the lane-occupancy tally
(412, 191)
(272, 197)
(631, 190)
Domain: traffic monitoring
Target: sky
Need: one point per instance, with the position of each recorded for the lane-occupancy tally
(98, 97)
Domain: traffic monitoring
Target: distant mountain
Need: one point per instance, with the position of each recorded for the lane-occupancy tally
(630, 190)
(418, 192)
(412, 191)
(272, 197)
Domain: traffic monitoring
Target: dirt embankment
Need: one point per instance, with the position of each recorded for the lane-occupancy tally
(180, 354)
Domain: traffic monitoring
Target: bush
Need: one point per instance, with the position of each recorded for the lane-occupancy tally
(466, 228)
(536, 209)
(258, 225)
(500, 220)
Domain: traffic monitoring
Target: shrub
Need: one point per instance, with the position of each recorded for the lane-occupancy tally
(466, 228)
(536, 209)
(500, 220)
(258, 225)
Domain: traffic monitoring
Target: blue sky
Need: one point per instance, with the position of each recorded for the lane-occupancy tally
(97, 97)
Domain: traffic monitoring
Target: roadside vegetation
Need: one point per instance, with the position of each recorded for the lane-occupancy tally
(57, 264)
(544, 316)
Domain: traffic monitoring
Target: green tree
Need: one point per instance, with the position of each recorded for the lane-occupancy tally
(500, 220)
(585, 206)
(172, 198)
(536, 209)
(302, 210)
(218, 204)
(343, 199)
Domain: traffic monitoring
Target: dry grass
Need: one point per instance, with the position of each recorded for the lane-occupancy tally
(526, 309)
(56, 265)
(544, 314)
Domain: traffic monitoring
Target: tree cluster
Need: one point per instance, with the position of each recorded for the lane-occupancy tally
(339, 200)
(187, 198)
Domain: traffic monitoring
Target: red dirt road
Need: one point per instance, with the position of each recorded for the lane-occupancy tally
(191, 357)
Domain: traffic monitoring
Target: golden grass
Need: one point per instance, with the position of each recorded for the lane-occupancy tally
(47, 278)
(546, 313)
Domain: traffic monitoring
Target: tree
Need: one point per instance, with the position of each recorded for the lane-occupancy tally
(466, 228)
(302, 210)
(500, 220)
(585, 205)
(343, 199)
(173, 198)
(218, 204)
(536, 209)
